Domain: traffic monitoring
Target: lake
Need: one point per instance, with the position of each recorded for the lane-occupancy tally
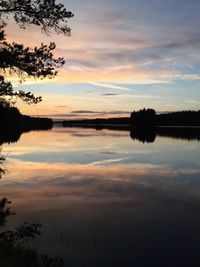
(105, 199)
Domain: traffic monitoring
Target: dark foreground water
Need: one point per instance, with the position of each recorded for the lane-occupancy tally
(104, 199)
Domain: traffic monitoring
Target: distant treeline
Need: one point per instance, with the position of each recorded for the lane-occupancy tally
(111, 121)
(181, 118)
(145, 118)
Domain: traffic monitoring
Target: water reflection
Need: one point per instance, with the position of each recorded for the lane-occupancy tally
(185, 133)
(107, 200)
(4, 211)
(12, 135)
(147, 135)
(143, 135)
(13, 243)
(2, 166)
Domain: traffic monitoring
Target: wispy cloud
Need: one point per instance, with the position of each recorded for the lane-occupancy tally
(113, 112)
(62, 106)
(83, 112)
(110, 86)
(191, 101)
(110, 94)
(106, 161)
(87, 114)
(186, 76)
(132, 53)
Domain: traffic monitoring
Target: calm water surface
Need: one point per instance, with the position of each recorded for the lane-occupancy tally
(104, 199)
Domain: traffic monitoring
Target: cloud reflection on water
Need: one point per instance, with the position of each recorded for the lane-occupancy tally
(106, 195)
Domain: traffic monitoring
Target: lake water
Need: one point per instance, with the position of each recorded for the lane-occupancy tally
(104, 199)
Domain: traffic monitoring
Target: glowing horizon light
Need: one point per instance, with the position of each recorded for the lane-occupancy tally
(127, 56)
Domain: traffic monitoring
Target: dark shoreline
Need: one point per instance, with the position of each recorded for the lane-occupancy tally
(12, 129)
(145, 118)
(141, 126)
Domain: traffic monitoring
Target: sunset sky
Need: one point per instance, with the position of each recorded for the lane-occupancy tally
(122, 56)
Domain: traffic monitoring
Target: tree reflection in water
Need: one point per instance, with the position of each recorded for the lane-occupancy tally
(2, 167)
(13, 250)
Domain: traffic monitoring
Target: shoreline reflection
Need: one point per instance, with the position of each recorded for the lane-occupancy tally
(144, 135)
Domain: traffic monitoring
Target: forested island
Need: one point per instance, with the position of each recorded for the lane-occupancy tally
(149, 118)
